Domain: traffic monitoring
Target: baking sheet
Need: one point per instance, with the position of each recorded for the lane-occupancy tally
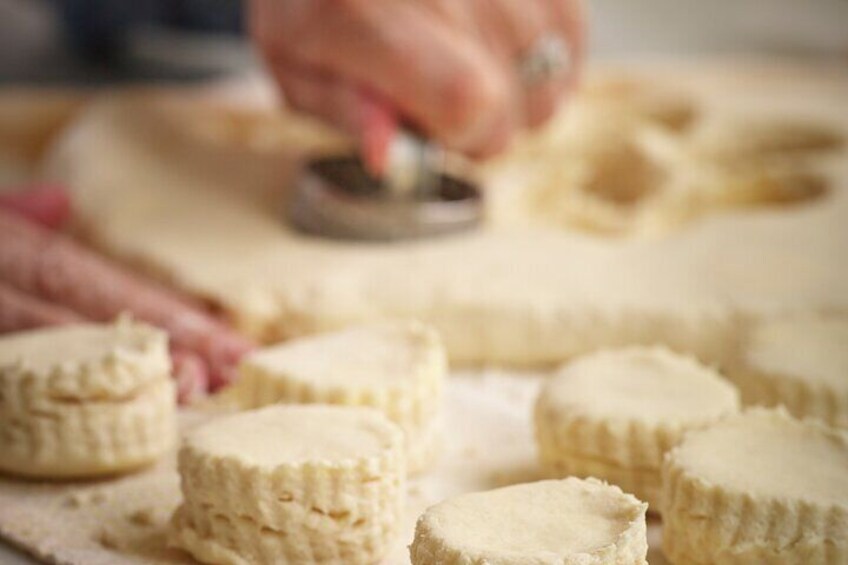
(489, 443)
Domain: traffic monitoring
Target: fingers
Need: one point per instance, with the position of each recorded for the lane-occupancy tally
(339, 102)
(569, 16)
(48, 205)
(321, 94)
(380, 125)
(57, 270)
(20, 311)
(223, 350)
(444, 81)
(524, 25)
(451, 68)
(46, 280)
(190, 374)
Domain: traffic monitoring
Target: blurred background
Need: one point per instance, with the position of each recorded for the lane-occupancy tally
(107, 41)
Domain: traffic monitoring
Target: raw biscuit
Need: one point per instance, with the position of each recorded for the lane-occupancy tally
(291, 484)
(614, 414)
(398, 368)
(85, 400)
(758, 487)
(799, 362)
(566, 522)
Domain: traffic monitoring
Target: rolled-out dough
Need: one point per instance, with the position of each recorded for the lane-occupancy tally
(176, 184)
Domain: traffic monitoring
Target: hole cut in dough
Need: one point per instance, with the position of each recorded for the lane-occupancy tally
(613, 171)
(623, 175)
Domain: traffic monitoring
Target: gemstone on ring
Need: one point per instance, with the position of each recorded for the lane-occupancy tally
(548, 57)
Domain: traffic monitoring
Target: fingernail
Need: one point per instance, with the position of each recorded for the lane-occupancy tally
(378, 128)
(48, 205)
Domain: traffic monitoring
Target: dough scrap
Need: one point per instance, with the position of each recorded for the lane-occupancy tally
(291, 484)
(398, 368)
(85, 400)
(570, 522)
(615, 414)
(758, 487)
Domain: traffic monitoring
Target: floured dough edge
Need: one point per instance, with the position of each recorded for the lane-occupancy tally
(705, 522)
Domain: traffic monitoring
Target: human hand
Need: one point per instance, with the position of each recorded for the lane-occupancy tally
(48, 279)
(450, 67)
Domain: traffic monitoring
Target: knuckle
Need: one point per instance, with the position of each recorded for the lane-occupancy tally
(267, 41)
(349, 11)
(491, 147)
(543, 106)
(470, 98)
(353, 5)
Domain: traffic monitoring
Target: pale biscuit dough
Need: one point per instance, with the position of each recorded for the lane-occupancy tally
(291, 484)
(614, 414)
(85, 400)
(800, 362)
(398, 368)
(515, 292)
(759, 487)
(567, 522)
(613, 167)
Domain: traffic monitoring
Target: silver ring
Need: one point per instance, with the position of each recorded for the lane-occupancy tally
(546, 59)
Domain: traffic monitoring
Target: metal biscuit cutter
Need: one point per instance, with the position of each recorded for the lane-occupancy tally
(337, 197)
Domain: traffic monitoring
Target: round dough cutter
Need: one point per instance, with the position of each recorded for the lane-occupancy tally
(337, 197)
